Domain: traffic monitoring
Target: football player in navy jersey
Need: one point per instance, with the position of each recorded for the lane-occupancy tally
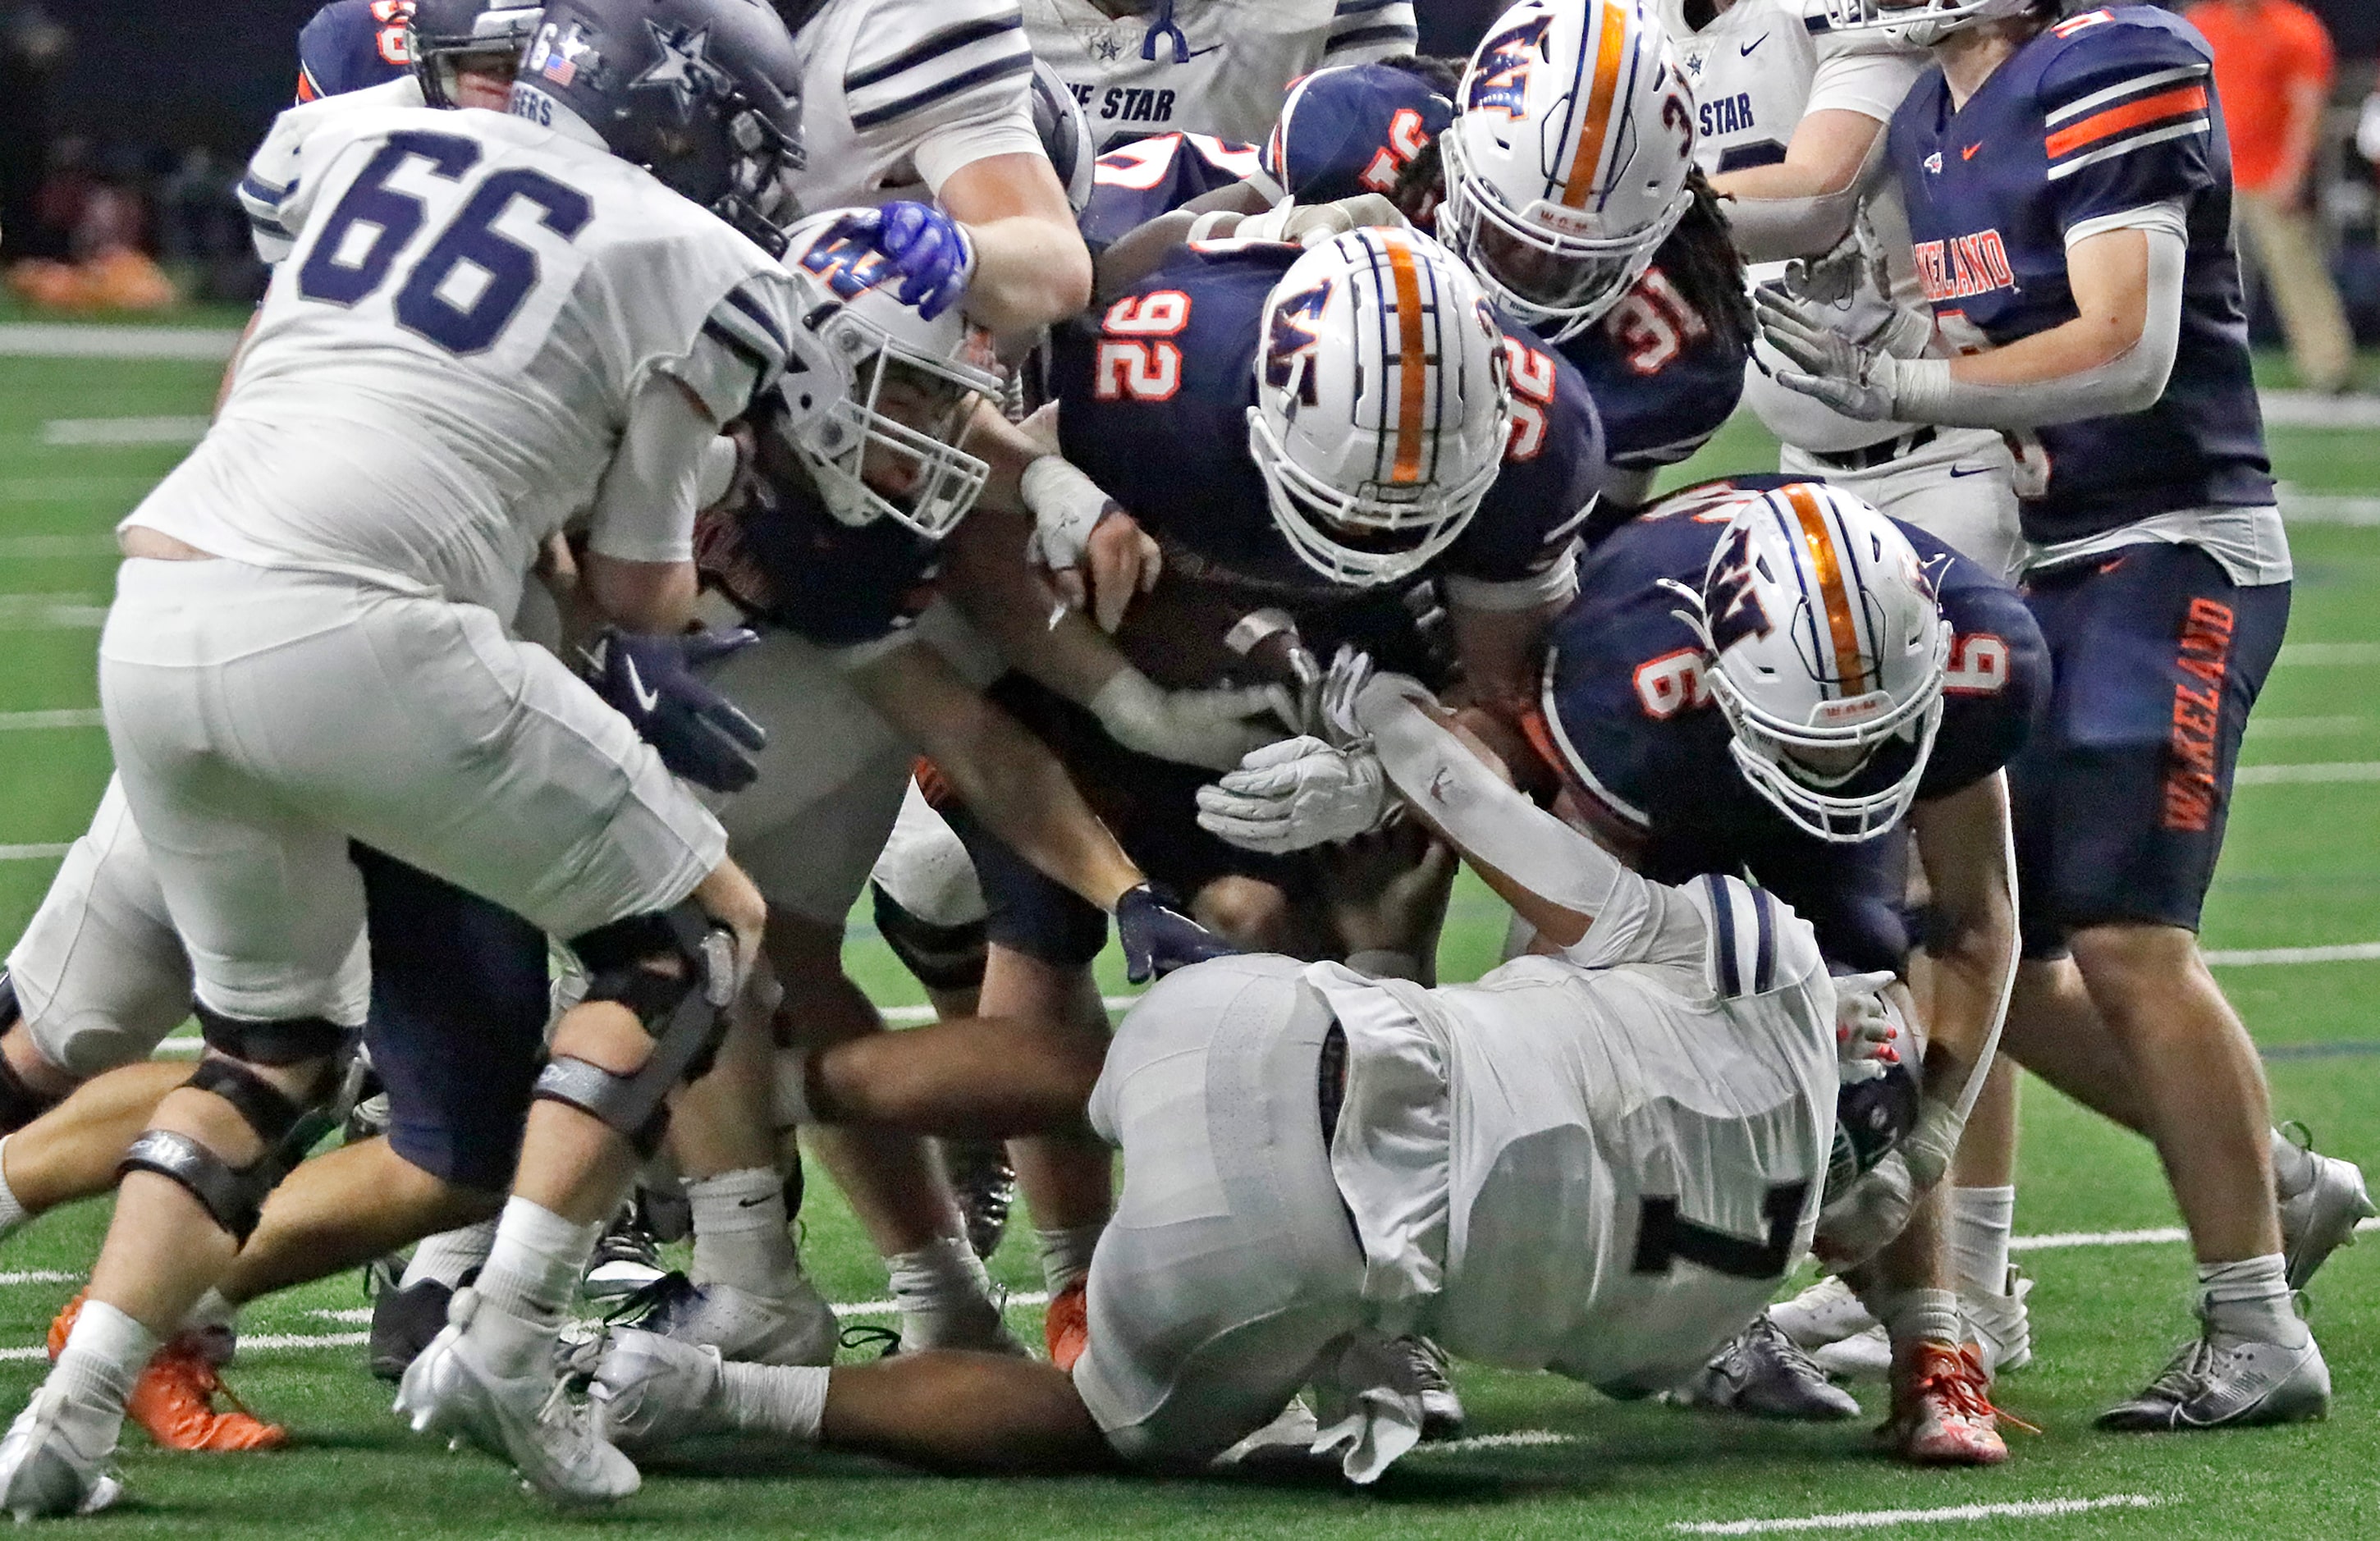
(1682, 719)
(349, 44)
(2069, 190)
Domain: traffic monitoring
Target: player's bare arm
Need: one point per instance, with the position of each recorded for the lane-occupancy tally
(1031, 266)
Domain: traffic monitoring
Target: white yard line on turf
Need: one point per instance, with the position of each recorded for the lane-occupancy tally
(2318, 409)
(2334, 655)
(43, 851)
(41, 1276)
(1871, 1519)
(124, 431)
(2305, 727)
(2245, 957)
(24, 548)
(57, 717)
(2321, 770)
(1519, 1439)
(52, 612)
(2322, 508)
(30, 340)
(263, 1343)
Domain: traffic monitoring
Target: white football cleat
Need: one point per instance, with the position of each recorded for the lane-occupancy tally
(528, 1420)
(2321, 1217)
(1441, 1411)
(1828, 1312)
(53, 1460)
(795, 1327)
(651, 1392)
(1998, 1326)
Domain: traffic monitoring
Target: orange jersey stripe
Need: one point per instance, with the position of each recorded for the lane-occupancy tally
(2132, 114)
(1413, 363)
(1610, 53)
(1848, 664)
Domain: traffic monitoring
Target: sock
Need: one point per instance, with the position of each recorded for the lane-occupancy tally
(1924, 1314)
(450, 1254)
(533, 1269)
(2250, 1299)
(1066, 1254)
(105, 1354)
(789, 1090)
(12, 1213)
(740, 1233)
(944, 1295)
(767, 1399)
(2293, 1167)
(1980, 1221)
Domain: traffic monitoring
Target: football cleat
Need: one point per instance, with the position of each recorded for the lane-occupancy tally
(2228, 1383)
(1764, 1372)
(1828, 1312)
(1942, 1411)
(1066, 1327)
(2322, 1217)
(1441, 1410)
(985, 1185)
(651, 1392)
(528, 1420)
(53, 1460)
(626, 1259)
(403, 1323)
(977, 1325)
(797, 1327)
(174, 1401)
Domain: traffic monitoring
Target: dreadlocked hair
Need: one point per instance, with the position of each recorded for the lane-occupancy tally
(1421, 185)
(1442, 74)
(1702, 265)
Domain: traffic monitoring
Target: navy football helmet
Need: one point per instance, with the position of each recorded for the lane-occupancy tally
(705, 94)
(443, 37)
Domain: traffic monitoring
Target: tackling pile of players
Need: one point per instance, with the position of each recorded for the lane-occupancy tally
(696, 455)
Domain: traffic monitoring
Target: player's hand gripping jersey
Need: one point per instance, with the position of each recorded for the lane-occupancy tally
(446, 361)
(2095, 120)
(1640, 744)
(1156, 389)
(1134, 183)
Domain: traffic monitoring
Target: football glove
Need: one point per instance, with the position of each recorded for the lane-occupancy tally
(1297, 794)
(1212, 728)
(1868, 1027)
(1158, 938)
(651, 681)
(1854, 380)
(932, 251)
(1312, 224)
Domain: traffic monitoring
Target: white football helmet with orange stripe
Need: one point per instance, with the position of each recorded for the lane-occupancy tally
(1381, 404)
(1566, 167)
(1828, 651)
(1922, 22)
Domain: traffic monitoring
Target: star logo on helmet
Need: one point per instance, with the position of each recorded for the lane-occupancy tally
(684, 66)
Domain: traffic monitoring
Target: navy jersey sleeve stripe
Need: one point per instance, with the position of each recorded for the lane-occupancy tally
(256, 189)
(1730, 972)
(1763, 973)
(1358, 8)
(1017, 63)
(948, 40)
(759, 315)
(1388, 32)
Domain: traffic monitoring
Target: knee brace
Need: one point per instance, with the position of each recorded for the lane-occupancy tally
(942, 957)
(21, 1102)
(287, 1041)
(684, 1011)
(233, 1195)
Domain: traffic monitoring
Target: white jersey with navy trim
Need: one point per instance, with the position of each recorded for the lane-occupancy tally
(1205, 67)
(443, 370)
(277, 170)
(898, 94)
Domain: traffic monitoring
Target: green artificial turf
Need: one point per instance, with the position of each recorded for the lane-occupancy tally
(2303, 868)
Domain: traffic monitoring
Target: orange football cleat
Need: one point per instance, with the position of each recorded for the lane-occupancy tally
(174, 1398)
(1066, 1329)
(1942, 1411)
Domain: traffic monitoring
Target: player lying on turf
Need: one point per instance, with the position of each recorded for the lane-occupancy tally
(2069, 188)
(1598, 1162)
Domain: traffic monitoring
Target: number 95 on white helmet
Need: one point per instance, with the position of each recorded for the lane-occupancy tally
(1567, 161)
(1381, 406)
(1827, 649)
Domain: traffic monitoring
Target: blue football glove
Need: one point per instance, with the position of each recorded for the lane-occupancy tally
(650, 680)
(929, 248)
(1158, 939)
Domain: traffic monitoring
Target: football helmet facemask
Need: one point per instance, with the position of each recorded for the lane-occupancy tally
(445, 37)
(1920, 22)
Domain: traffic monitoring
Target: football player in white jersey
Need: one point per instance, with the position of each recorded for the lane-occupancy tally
(924, 106)
(1595, 1163)
(1787, 107)
(485, 325)
(1203, 66)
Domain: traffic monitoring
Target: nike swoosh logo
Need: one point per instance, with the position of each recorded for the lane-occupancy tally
(1957, 471)
(1969, 153)
(1189, 55)
(646, 700)
(1744, 51)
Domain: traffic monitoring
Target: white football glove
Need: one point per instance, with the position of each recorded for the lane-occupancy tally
(1828, 280)
(1854, 380)
(1871, 1212)
(1212, 728)
(1313, 223)
(1349, 672)
(1867, 1026)
(1297, 794)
